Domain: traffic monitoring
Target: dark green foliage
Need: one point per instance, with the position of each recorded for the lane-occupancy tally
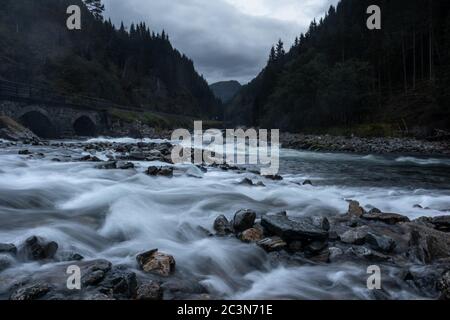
(340, 74)
(138, 67)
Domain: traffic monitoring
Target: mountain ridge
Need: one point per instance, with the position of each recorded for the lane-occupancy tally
(225, 90)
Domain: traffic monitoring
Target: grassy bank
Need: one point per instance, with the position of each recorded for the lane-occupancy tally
(161, 121)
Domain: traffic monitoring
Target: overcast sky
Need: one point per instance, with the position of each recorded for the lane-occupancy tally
(227, 39)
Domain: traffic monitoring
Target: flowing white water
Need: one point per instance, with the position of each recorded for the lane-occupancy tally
(115, 214)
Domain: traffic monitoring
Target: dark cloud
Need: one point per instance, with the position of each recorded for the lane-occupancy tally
(227, 39)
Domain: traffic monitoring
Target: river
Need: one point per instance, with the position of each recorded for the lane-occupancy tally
(115, 214)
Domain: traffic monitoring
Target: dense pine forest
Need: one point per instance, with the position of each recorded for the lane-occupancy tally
(341, 77)
(133, 65)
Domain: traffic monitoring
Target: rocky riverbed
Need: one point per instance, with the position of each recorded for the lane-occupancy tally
(365, 145)
(139, 227)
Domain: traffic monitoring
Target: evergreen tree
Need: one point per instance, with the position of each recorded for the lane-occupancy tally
(280, 50)
(273, 55)
(96, 7)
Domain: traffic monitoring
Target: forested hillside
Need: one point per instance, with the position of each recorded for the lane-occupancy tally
(130, 66)
(342, 77)
(225, 90)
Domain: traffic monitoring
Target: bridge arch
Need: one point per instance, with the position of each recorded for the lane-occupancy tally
(37, 120)
(85, 126)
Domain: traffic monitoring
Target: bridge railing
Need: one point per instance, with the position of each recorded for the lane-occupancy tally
(21, 91)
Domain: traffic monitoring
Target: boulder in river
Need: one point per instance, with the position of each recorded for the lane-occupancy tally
(288, 229)
(354, 209)
(321, 222)
(272, 244)
(388, 218)
(380, 242)
(122, 165)
(8, 248)
(275, 177)
(156, 262)
(5, 262)
(150, 291)
(90, 158)
(243, 220)
(367, 254)
(427, 245)
(121, 282)
(95, 271)
(160, 171)
(222, 226)
(249, 182)
(37, 248)
(24, 152)
(441, 223)
(107, 165)
(356, 236)
(251, 235)
(32, 291)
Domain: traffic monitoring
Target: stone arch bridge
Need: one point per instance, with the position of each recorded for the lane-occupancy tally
(53, 115)
(52, 121)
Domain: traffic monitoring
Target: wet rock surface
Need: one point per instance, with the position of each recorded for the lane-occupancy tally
(37, 248)
(291, 229)
(222, 226)
(243, 220)
(160, 171)
(156, 262)
(150, 291)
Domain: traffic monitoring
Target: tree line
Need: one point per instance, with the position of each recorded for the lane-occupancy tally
(339, 74)
(131, 65)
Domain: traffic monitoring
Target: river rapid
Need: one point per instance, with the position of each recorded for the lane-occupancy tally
(116, 214)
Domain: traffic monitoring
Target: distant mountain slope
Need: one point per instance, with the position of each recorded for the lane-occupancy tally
(135, 66)
(342, 77)
(225, 90)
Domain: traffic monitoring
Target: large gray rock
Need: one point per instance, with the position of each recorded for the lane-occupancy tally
(441, 223)
(94, 272)
(243, 220)
(427, 245)
(380, 243)
(388, 218)
(121, 282)
(355, 236)
(300, 229)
